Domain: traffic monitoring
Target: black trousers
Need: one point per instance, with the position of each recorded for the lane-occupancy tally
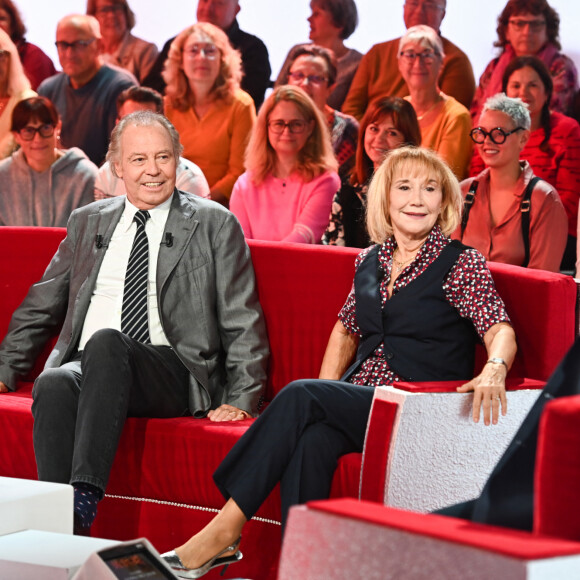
(80, 408)
(296, 441)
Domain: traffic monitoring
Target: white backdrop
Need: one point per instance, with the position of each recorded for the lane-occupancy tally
(470, 24)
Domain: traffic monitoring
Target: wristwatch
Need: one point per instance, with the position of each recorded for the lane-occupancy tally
(498, 361)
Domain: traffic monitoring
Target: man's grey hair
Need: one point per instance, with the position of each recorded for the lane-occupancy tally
(515, 109)
(141, 119)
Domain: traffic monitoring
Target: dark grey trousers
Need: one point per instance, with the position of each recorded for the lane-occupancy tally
(80, 408)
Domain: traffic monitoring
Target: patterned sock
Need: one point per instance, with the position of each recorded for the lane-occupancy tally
(87, 497)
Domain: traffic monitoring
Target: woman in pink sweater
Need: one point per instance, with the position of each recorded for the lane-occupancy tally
(290, 180)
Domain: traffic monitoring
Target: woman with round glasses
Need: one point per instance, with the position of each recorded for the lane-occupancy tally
(204, 102)
(445, 123)
(510, 215)
(118, 45)
(529, 28)
(41, 184)
(553, 150)
(290, 180)
(14, 86)
(313, 69)
(389, 123)
(331, 23)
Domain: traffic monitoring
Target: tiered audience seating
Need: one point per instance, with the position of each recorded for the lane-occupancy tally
(161, 484)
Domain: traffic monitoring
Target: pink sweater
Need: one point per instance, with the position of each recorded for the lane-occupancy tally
(287, 210)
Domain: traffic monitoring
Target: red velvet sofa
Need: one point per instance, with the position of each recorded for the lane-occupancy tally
(420, 547)
(161, 484)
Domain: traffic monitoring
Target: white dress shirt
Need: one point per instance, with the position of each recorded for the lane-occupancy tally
(107, 300)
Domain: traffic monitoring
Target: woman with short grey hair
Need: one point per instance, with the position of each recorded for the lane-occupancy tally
(509, 214)
(445, 123)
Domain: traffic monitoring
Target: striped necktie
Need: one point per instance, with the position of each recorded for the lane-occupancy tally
(134, 320)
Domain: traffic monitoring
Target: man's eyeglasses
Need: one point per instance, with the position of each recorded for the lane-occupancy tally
(74, 46)
(299, 77)
(433, 6)
(4, 54)
(110, 9)
(296, 126)
(427, 56)
(535, 25)
(210, 51)
(497, 135)
(27, 133)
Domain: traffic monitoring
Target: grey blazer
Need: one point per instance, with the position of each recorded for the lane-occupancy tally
(206, 295)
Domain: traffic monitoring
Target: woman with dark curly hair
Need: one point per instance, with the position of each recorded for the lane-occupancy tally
(529, 28)
(204, 102)
(37, 66)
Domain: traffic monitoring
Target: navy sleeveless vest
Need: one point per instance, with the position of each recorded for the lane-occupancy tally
(425, 338)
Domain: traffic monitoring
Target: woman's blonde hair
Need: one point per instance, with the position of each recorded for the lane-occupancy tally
(314, 158)
(178, 91)
(412, 161)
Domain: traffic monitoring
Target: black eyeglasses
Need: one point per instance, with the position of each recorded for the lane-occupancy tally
(295, 126)
(497, 135)
(75, 46)
(299, 77)
(27, 133)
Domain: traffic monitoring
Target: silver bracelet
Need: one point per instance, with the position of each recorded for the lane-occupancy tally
(498, 361)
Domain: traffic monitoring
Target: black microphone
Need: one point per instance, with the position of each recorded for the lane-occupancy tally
(168, 240)
(99, 242)
(380, 273)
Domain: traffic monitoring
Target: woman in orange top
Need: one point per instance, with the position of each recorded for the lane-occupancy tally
(204, 101)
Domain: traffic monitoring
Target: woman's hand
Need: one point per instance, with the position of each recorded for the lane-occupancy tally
(4, 388)
(489, 386)
(488, 392)
(227, 413)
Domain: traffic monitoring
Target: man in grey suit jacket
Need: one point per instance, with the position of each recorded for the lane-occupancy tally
(204, 350)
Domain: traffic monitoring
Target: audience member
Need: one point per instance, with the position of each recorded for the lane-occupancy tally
(86, 91)
(445, 123)
(286, 192)
(331, 23)
(37, 65)
(189, 176)
(255, 60)
(14, 86)
(389, 123)
(213, 115)
(313, 68)
(118, 45)
(510, 215)
(434, 309)
(529, 28)
(553, 150)
(117, 358)
(378, 77)
(40, 185)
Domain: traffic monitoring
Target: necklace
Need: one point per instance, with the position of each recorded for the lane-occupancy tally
(400, 266)
(437, 101)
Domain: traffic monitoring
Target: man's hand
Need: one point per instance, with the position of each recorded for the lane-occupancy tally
(4, 388)
(227, 413)
(488, 393)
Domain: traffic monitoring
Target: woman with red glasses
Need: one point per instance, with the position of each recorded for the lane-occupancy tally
(529, 28)
(509, 214)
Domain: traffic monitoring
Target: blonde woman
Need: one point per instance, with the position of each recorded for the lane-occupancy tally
(204, 102)
(287, 190)
(14, 87)
(436, 297)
